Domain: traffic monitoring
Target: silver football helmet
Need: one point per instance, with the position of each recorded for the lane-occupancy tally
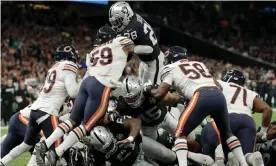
(102, 139)
(132, 91)
(120, 14)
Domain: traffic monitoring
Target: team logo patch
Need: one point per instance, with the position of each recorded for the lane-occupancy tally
(67, 49)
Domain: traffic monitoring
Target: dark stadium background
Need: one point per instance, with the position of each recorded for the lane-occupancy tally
(222, 35)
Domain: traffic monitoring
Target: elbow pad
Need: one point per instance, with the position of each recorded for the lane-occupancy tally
(142, 49)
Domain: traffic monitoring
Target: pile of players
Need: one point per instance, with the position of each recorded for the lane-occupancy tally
(122, 123)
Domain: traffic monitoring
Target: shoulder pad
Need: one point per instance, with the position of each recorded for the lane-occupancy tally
(70, 66)
(165, 71)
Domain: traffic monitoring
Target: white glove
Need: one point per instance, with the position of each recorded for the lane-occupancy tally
(147, 86)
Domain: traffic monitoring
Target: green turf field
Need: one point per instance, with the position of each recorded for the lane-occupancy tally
(23, 159)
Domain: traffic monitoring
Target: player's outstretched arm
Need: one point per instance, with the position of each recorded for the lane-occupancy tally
(71, 84)
(261, 107)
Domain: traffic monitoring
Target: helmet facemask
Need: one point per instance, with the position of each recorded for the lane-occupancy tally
(134, 100)
(120, 15)
(132, 89)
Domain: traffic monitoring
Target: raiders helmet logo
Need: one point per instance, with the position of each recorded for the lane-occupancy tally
(124, 10)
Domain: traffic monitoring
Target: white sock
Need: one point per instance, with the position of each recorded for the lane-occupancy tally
(219, 154)
(73, 137)
(249, 158)
(15, 152)
(200, 158)
(62, 129)
(181, 149)
(235, 146)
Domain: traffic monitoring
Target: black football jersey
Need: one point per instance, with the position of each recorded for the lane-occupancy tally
(124, 154)
(268, 151)
(141, 33)
(151, 112)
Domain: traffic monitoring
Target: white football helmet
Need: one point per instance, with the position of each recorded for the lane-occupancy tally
(120, 14)
(102, 139)
(132, 91)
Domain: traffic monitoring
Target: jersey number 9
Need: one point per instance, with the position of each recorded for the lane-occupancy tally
(50, 81)
(105, 58)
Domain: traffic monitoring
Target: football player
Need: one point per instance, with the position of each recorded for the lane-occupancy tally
(192, 80)
(60, 82)
(127, 23)
(18, 125)
(105, 64)
(240, 103)
(268, 147)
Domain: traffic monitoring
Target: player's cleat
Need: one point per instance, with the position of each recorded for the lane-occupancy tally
(1, 164)
(257, 159)
(232, 161)
(52, 158)
(41, 150)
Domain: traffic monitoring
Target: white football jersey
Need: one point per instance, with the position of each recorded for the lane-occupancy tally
(26, 111)
(53, 94)
(187, 76)
(239, 99)
(107, 62)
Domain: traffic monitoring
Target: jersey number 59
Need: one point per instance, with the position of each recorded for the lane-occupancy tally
(104, 58)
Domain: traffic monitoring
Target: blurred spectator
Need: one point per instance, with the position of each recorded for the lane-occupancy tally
(21, 96)
(8, 97)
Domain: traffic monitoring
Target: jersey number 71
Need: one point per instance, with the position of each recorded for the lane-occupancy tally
(236, 94)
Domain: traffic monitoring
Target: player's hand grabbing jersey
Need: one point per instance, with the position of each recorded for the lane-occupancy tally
(239, 99)
(60, 82)
(141, 33)
(107, 61)
(187, 76)
(151, 112)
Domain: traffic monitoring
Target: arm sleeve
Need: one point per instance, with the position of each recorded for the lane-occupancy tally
(71, 84)
(166, 75)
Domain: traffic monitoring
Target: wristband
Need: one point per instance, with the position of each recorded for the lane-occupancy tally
(130, 138)
(263, 129)
(264, 138)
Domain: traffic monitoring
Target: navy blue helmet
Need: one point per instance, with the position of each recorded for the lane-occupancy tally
(174, 54)
(105, 34)
(67, 52)
(234, 76)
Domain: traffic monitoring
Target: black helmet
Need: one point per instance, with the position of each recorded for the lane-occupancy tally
(174, 54)
(66, 52)
(105, 34)
(234, 76)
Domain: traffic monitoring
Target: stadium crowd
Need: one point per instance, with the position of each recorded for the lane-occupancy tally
(241, 28)
(29, 39)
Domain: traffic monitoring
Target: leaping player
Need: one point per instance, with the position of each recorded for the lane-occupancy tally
(105, 65)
